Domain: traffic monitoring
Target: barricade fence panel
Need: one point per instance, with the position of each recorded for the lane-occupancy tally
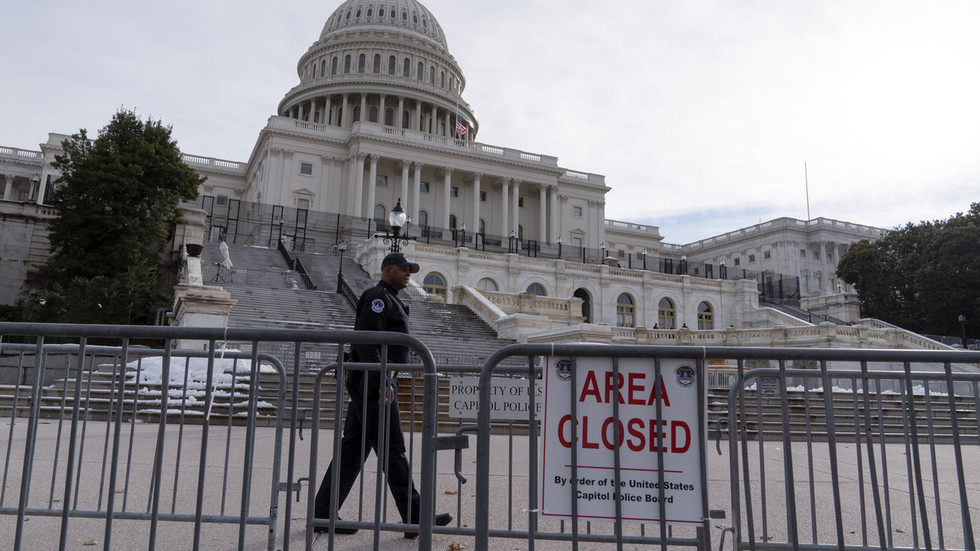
(116, 435)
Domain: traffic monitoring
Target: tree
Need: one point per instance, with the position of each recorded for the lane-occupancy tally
(117, 201)
(921, 277)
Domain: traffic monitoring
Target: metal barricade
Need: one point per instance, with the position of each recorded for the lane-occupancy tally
(580, 529)
(864, 449)
(108, 432)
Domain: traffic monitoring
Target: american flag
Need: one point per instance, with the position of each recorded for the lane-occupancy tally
(460, 127)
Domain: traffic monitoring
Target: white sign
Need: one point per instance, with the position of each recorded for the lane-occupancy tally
(509, 398)
(640, 434)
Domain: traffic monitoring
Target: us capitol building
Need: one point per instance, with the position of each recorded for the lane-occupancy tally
(378, 118)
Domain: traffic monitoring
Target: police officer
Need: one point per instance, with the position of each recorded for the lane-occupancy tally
(378, 309)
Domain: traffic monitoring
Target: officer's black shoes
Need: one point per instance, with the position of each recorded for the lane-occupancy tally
(339, 530)
(441, 520)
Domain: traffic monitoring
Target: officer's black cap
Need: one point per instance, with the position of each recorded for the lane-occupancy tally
(399, 259)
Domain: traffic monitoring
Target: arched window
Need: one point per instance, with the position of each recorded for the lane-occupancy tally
(452, 221)
(537, 289)
(483, 226)
(421, 71)
(379, 217)
(323, 68)
(361, 63)
(706, 316)
(424, 223)
(347, 64)
(432, 75)
(442, 79)
(667, 314)
(405, 118)
(373, 113)
(407, 68)
(333, 65)
(434, 284)
(625, 311)
(377, 63)
(389, 117)
(391, 65)
(357, 113)
(487, 284)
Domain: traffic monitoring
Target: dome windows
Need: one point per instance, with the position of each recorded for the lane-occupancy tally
(348, 15)
(392, 14)
(357, 15)
(370, 12)
(404, 16)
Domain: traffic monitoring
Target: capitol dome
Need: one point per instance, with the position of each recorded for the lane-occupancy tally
(387, 58)
(386, 14)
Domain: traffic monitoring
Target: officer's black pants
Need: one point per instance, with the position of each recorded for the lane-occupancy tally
(352, 449)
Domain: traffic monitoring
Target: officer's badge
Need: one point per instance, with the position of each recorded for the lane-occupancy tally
(377, 306)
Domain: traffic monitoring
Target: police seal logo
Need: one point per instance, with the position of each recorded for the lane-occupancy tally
(377, 306)
(685, 375)
(563, 368)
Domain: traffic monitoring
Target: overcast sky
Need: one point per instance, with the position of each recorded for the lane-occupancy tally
(700, 114)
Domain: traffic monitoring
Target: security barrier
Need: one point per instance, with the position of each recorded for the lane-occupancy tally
(118, 439)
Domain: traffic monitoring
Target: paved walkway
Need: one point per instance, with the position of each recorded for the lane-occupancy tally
(220, 497)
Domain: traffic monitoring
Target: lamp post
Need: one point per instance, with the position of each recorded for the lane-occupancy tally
(397, 220)
(603, 247)
(462, 241)
(511, 247)
(683, 264)
(342, 246)
(962, 320)
(722, 270)
(644, 251)
(281, 222)
(558, 240)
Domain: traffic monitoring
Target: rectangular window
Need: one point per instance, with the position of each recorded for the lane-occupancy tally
(577, 212)
(802, 253)
(751, 258)
(483, 196)
(577, 242)
(382, 181)
(453, 191)
(738, 261)
(520, 202)
(424, 187)
(221, 200)
(766, 255)
(306, 168)
(303, 204)
(816, 255)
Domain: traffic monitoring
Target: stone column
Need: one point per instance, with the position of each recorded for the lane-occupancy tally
(447, 174)
(515, 201)
(345, 112)
(555, 215)
(357, 181)
(399, 114)
(8, 187)
(504, 227)
(404, 183)
(543, 213)
(416, 190)
(372, 185)
(476, 202)
(364, 116)
(382, 111)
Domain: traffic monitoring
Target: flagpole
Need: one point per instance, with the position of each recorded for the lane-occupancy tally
(807, 183)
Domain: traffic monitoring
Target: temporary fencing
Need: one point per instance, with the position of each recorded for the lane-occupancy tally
(121, 439)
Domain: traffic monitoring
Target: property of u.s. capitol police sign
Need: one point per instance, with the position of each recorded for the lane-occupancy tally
(641, 436)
